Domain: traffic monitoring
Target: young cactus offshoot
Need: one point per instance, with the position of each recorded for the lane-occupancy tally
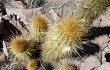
(20, 47)
(38, 27)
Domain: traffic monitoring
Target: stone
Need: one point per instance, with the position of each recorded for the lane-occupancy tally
(105, 66)
(102, 41)
(89, 63)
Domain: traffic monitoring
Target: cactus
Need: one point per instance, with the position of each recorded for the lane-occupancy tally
(91, 9)
(38, 27)
(20, 47)
(63, 39)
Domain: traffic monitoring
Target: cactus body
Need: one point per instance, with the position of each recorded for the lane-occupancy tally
(63, 39)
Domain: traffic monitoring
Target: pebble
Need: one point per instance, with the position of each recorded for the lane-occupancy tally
(105, 66)
(90, 63)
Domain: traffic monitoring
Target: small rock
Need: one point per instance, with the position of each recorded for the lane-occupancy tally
(105, 21)
(71, 61)
(102, 41)
(105, 66)
(90, 63)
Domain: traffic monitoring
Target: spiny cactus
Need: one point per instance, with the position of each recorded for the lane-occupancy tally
(20, 47)
(38, 27)
(63, 39)
(32, 65)
(91, 9)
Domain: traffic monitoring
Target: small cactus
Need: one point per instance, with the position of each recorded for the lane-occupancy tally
(20, 47)
(63, 39)
(38, 27)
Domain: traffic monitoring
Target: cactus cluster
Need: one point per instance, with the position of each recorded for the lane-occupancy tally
(28, 49)
(62, 40)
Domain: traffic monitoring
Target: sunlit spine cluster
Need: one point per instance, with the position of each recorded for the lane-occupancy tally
(21, 47)
(63, 39)
(38, 27)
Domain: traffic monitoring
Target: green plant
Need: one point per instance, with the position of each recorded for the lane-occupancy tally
(91, 9)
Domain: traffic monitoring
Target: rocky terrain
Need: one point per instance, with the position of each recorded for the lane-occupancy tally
(53, 9)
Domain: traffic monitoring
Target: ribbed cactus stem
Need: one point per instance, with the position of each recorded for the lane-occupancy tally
(91, 9)
(38, 27)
